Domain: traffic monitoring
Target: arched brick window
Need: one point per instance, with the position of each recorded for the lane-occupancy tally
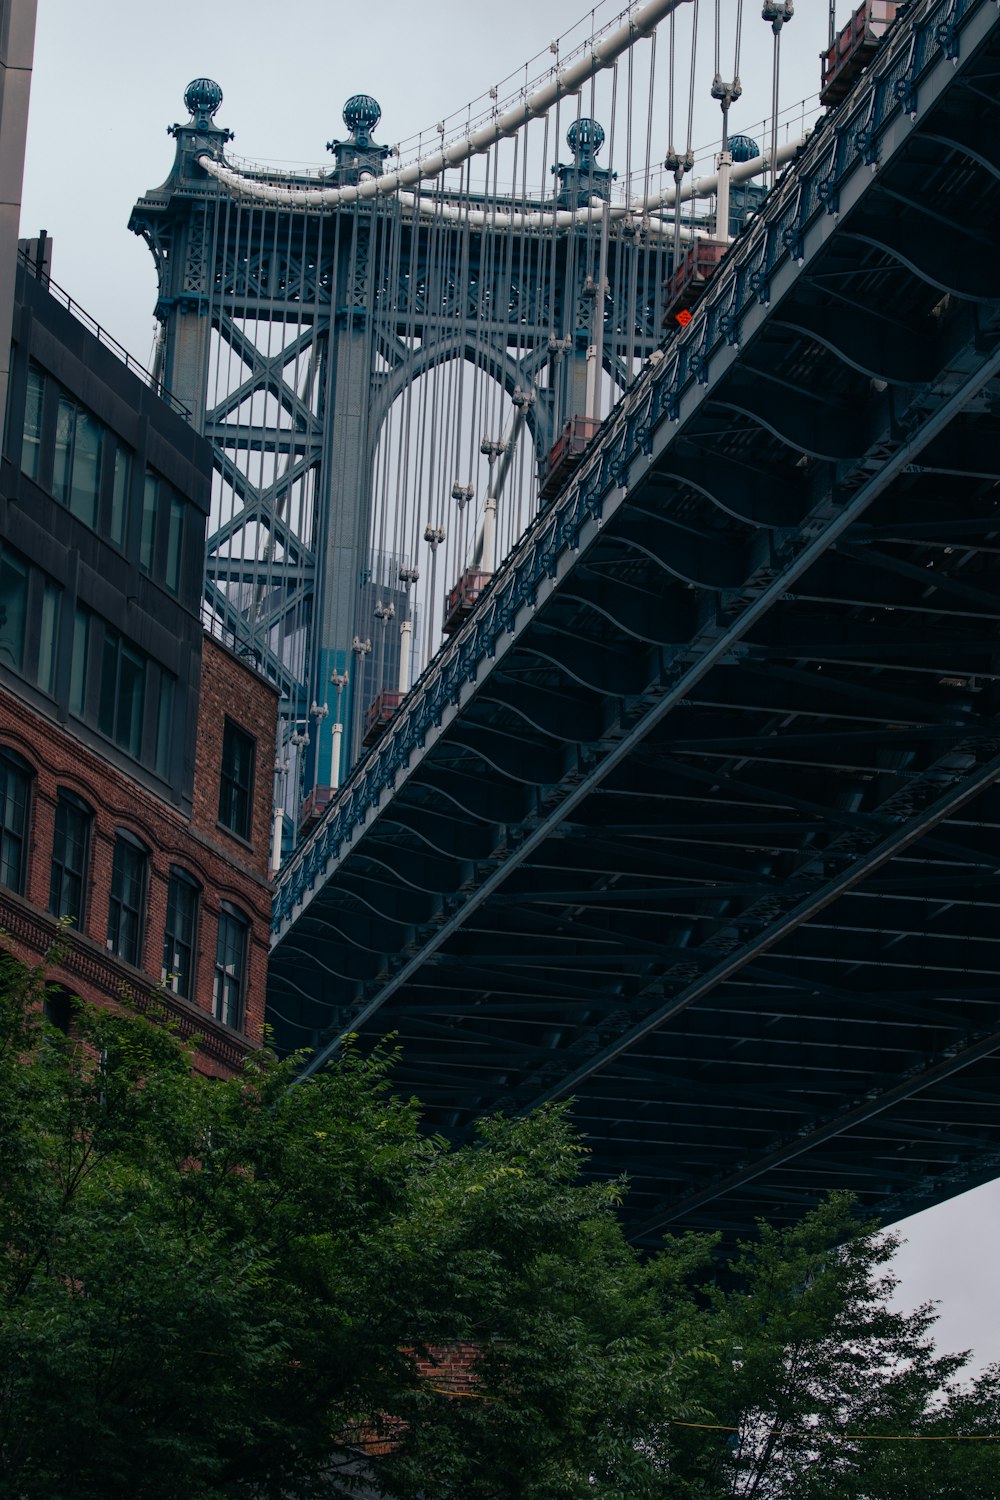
(180, 934)
(127, 906)
(70, 851)
(229, 989)
(15, 802)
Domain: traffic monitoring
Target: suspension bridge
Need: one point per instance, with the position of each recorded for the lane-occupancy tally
(691, 816)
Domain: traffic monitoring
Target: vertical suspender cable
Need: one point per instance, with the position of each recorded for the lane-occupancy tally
(777, 13)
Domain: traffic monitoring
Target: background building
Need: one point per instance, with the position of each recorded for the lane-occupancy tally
(17, 44)
(134, 805)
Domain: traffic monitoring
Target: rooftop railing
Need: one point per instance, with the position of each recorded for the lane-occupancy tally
(33, 268)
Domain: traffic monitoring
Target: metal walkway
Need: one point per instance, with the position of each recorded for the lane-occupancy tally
(695, 819)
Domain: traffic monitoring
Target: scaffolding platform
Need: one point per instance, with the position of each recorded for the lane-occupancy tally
(693, 271)
(565, 454)
(313, 807)
(379, 715)
(854, 49)
(461, 600)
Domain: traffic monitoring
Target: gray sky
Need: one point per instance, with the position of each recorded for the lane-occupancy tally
(109, 76)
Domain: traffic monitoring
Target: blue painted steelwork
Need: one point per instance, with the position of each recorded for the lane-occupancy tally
(684, 819)
(203, 97)
(805, 198)
(361, 115)
(290, 333)
(743, 147)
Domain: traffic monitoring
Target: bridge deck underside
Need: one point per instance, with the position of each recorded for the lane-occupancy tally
(712, 848)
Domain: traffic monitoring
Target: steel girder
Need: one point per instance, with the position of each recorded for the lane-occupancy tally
(695, 820)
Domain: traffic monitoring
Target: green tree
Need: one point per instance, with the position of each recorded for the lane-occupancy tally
(224, 1289)
(820, 1383)
(216, 1289)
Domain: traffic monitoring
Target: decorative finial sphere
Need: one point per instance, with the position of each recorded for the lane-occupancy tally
(586, 135)
(361, 114)
(743, 147)
(203, 96)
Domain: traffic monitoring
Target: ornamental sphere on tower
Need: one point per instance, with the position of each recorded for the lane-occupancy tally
(361, 114)
(202, 97)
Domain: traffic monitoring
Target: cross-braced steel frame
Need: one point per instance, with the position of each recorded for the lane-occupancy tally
(289, 333)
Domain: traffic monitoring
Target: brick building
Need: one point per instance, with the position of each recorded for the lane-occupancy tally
(135, 751)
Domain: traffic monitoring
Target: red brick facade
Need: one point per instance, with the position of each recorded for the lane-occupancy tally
(451, 1369)
(226, 869)
(231, 690)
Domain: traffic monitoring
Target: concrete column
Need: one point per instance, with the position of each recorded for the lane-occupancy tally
(337, 732)
(279, 824)
(722, 197)
(405, 653)
(490, 534)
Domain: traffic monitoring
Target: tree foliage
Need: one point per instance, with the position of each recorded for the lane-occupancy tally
(223, 1289)
(217, 1288)
(821, 1386)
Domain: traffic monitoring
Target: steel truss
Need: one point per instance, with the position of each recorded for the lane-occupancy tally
(696, 819)
(289, 333)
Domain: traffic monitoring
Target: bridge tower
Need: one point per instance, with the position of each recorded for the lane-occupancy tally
(289, 330)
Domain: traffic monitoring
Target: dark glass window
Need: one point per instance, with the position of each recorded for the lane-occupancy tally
(147, 535)
(119, 496)
(58, 1008)
(123, 692)
(128, 894)
(31, 442)
(85, 484)
(48, 637)
(13, 609)
(175, 543)
(63, 456)
(69, 858)
(15, 789)
(76, 467)
(164, 723)
(236, 782)
(27, 594)
(78, 662)
(130, 699)
(90, 468)
(180, 932)
(230, 967)
(161, 537)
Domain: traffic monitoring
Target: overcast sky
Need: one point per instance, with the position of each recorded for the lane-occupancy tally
(109, 76)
